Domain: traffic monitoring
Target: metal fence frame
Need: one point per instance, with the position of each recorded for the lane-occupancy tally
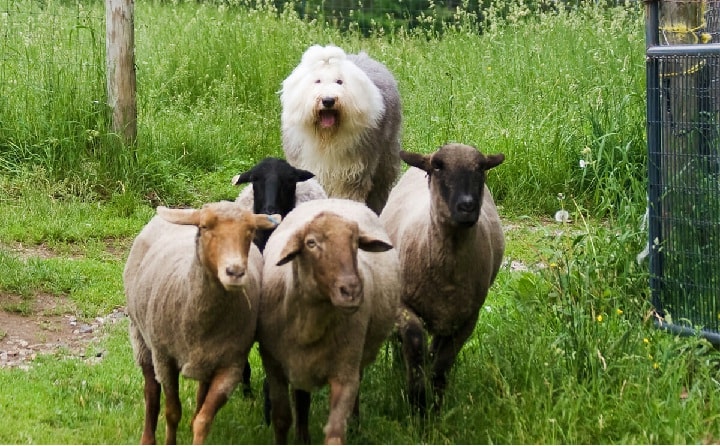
(683, 308)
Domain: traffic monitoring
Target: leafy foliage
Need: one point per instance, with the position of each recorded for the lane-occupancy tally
(565, 350)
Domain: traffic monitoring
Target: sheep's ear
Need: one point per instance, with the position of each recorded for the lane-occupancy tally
(179, 216)
(292, 248)
(368, 243)
(303, 175)
(264, 221)
(245, 177)
(416, 160)
(493, 161)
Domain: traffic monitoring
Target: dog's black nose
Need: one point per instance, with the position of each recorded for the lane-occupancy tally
(328, 102)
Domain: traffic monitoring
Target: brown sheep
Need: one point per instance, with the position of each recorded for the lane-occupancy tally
(192, 282)
(331, 287)
(444, 224)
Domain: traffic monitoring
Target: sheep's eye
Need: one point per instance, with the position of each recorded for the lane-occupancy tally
(317, 81)
(311, 243)
(437, 164)
(339, 81)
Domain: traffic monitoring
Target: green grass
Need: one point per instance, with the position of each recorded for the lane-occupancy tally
(565, 350)
(547, 90)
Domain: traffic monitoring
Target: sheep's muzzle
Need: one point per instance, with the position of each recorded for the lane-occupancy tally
(232, 276)
(347, 294)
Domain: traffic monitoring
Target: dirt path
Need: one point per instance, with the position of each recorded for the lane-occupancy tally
(50, 328)
(46, 323)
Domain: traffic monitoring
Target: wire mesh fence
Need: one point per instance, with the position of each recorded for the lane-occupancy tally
(51, 59)
(684, 165)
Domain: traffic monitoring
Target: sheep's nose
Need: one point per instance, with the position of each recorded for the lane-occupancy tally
(235, 271)
(328, 102)
(350, 289)
(467, 204)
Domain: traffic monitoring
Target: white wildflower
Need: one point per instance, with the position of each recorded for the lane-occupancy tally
(562, 216)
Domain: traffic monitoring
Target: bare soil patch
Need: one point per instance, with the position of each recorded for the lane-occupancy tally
(51, 327)
(47, 324)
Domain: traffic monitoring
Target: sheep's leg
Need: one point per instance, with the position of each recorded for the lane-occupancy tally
(202, 391)
(355, 415)
(247, 373)
(170, 377)
(218, 393)
(343, 394)
(280, 412)
(414, 349)
(152, 403)
(302, 416)
(267, 406)
(356, 406)
(443, 351)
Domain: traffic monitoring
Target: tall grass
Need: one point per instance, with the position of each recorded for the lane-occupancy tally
(564, 352)
(543, 88)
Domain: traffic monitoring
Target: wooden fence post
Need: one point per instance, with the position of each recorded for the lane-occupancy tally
(120, 65)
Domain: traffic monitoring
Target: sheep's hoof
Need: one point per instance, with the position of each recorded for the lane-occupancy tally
(334, 440)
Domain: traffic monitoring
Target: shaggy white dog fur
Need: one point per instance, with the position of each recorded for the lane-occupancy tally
(341, 120)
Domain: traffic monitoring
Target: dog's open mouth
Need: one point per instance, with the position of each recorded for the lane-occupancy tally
(328, 118)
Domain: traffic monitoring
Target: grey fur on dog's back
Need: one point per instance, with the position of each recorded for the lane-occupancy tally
(387, 135)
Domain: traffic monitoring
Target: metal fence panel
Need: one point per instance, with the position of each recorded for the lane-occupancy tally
(683, 89)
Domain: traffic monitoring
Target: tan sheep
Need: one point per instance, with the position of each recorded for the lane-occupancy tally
(192, 283)
(331, 288)
(444, 224)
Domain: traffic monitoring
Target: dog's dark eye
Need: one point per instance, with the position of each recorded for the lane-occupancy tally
(339, 81)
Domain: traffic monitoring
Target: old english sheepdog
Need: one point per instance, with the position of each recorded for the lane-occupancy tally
(341, 120)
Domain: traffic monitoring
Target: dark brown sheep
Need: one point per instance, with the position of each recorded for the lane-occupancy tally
(444, 224)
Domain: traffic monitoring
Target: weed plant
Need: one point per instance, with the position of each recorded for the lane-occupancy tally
(565, 350)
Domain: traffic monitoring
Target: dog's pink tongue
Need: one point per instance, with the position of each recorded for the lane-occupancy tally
(327, 119)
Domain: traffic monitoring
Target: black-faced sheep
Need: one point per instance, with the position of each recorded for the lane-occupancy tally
(192, 281)
(444, 224)
(341, 119)
(331, 289)
(276, 187)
